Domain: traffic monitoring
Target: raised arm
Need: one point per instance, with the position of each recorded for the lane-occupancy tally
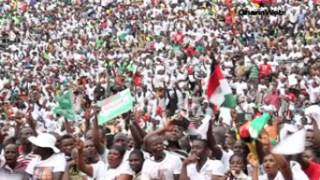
(31, 121)
(87, 117)
(255, 166)
(67, 126)
(284, 167)
(216, 151)
(96, 136)
(137, 137)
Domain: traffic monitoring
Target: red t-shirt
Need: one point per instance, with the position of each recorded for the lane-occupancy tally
(103, 25)
(190, 51)
(313, 171)
(265, 70)
(272, 99)
(24, 7)
(178, 38)
(190, 70)
(137, 80)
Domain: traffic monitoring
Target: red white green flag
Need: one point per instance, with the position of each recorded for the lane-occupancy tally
(219, 92)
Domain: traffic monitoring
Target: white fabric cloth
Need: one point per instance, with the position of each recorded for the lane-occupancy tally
(292, 144)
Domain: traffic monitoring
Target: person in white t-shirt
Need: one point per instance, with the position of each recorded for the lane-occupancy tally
(50, 164)
(89, 162)
(162, 165)
(276, 167)
(198, 166)
(117, 168)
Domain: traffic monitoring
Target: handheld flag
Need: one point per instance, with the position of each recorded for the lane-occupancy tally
(219, 92)
(257, 125)
(115, 105)
(65, 106)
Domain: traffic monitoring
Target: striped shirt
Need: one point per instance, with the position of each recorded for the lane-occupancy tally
(24, 159)
(254, 72)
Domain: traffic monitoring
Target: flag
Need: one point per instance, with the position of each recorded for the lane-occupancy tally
(292, 144)
(272, 132)
(65, 106)
(114, 106)
(219, 92)
(257, 125)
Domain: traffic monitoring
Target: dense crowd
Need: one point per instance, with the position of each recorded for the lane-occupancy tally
(163, 51)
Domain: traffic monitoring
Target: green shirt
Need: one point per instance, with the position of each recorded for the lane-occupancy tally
(254, 72)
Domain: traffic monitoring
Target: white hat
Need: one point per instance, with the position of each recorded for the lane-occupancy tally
(44, 140)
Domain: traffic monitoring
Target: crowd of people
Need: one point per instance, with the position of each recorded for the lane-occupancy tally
(163, 51)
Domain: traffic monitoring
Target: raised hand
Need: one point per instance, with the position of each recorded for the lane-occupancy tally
(79, 145)
(253, 161)
(191, 159)
(96, 110)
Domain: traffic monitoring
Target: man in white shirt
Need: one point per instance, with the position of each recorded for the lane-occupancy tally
(162, 165)
(314, 92)
(50, 164)
(198, 166)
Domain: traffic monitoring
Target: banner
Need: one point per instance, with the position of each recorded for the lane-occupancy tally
(114, 106)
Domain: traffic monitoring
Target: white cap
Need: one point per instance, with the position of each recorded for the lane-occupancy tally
(44, 140)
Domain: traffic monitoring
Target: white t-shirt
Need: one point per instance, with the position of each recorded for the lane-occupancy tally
(166, 169)
(226, 155)
(240, 87)
(314, 93)
(113, 173)
(297, 174)
(99, 171)
(278, 177)
(211, 167)
(44, 168)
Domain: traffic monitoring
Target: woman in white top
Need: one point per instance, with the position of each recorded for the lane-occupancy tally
(236, 169)
(117, 170)
(276, 167)
(198, 166)
(136, 159)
